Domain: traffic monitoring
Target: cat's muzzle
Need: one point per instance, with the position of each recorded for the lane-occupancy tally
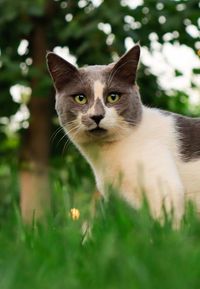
(97, 131)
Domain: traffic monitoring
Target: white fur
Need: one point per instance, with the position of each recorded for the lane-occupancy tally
(146, 160)
(190, 175)
(110, 119)
(98, 88)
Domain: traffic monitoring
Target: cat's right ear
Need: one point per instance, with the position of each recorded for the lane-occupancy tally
(126, 67)
(60, 70)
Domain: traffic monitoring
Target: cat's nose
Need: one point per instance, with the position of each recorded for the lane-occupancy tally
(97, 118)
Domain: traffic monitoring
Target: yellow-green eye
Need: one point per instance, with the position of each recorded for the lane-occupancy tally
(113, 98)
(80, 99)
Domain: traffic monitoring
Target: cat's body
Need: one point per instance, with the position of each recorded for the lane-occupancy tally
(131, 147)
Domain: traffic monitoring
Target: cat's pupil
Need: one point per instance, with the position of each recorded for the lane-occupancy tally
(113, 96)
(81, 97)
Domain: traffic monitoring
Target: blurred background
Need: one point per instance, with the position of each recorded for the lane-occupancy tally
(36, 159)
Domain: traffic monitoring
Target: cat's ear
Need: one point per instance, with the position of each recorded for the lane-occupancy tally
(126, 67)
(60, 70)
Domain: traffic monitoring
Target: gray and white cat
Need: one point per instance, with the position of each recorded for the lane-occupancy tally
(134, 148)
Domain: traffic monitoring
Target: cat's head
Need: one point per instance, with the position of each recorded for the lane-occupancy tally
(97, 103)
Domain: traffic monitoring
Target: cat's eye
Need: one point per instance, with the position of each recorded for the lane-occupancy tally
(80, 99)
(113, 97)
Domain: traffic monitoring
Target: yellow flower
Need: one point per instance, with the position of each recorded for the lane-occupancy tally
(74, 214)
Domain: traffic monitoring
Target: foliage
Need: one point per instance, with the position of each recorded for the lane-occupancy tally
(76, 24)
(126, 249)
(9, 188)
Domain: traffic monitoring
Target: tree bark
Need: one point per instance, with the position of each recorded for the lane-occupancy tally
(34, 181)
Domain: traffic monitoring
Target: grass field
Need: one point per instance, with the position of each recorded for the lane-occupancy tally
(126, 249)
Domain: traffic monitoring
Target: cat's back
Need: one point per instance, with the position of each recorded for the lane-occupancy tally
(188, 130)
(187, 139)
(180, 133)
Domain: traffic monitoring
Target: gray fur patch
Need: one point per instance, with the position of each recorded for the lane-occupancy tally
(189, 135)
(99, 108)
(188, 130)
(129, 106)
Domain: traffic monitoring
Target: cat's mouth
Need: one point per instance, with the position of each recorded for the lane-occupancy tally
(97, 131)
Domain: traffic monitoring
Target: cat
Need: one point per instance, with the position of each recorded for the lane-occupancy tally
(136, 149)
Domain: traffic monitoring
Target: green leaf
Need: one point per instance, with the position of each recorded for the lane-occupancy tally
(196, 70)
(178, 73)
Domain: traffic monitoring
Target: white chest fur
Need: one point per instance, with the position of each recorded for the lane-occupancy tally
(147, 160)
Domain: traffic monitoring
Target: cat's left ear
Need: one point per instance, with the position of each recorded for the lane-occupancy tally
(126, 66)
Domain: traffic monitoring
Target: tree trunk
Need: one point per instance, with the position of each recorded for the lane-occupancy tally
(35, 195)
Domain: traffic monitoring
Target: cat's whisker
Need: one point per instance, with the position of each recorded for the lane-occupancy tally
(73, 122)
(61, 139)
(128, 121)
(66, 145)
(65, 135)
(59, 129)
(68, 142)
(76, 132)
(73, 128)
(119, 128)
(56, 132)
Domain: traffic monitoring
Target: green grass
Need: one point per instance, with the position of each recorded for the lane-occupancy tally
(126, 249)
